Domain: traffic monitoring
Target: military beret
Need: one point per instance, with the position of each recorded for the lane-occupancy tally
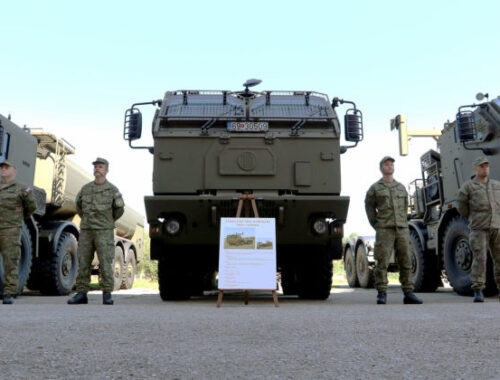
(386, 158)
(101, 160)
(8, 163)
(480, 160)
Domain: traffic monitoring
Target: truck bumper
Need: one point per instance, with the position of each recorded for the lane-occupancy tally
(199, 216)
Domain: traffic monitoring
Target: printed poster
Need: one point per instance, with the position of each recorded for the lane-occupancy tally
(247, 253)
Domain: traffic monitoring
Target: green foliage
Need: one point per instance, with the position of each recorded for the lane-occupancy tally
(147, 268)
(352, 236)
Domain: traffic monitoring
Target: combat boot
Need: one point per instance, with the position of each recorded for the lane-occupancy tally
(78, 299)
(478, 295)
(411, 299)
(106, 299)
(8, 299)
(381, 298)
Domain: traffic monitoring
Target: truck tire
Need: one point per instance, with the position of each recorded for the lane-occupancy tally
(315, 274)
(58, 272)
(118, 268)
(289, 280)
(424, 268)
(24, 267)
(173, 279)
(129, 270)
(364, 270)
(457, 255)
(350, 268)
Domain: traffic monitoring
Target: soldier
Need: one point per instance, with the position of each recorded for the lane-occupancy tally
(99, 204)
(386, 205)
(17, 203)
(479, 201)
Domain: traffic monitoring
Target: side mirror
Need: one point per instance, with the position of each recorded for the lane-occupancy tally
(466, 126)
(132, 128)
(353, 125)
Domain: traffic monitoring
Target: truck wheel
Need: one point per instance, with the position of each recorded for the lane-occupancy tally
(58, 272)
(289, 280)
(173, 279)
(118, 268)
(350, 268)
(315, 275)
(34, 280)
(130, 269)
(24, 266)
(424, 270)
(458, 255)
(363, 269)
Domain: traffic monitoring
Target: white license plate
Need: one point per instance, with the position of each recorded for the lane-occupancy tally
(247, 126)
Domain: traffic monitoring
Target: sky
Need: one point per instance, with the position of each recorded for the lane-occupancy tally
(74, 68)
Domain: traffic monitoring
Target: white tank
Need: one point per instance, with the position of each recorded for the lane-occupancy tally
(61, 198)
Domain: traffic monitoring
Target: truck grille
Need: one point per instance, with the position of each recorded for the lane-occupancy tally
(267, 209)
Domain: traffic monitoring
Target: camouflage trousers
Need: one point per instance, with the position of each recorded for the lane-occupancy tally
(387, 240)
(10, 248)
(102, 242)
(479, 241)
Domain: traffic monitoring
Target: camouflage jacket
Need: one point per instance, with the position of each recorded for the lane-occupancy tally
(386, 205)
(480, 203)
(17, 203)
(99, 206)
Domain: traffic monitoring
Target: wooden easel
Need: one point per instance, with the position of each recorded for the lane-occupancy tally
(245, 201)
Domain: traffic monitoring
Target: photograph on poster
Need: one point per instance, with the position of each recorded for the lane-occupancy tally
(264, 243)
(239, 238)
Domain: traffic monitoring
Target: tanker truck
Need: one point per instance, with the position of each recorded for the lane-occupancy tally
(49, 239)
(439, 235)
(213, 147)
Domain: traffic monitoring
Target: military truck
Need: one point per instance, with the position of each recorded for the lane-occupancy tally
(211, 147)
(49, 261)
(438, 233)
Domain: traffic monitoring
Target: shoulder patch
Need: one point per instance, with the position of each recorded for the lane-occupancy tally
(28, 190)
(118, 194)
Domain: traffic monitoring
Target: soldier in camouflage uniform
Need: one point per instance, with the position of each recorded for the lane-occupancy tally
(386, 205)
(17, 203)
(99, 204)
(479, 201)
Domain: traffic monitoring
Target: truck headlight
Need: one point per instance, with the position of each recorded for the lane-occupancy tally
(320, 226)
(172, 226)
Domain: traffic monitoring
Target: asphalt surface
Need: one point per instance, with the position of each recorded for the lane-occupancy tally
(346, 337)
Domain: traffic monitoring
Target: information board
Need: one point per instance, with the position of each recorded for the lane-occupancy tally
(247, 253)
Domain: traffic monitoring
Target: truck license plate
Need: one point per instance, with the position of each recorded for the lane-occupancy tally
(247, 126)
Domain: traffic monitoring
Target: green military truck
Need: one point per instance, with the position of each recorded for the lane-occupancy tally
(439, 235)
(210, 147)
(49, 261)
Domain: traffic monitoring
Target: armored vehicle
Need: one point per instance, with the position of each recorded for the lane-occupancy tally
(49, 261)
(438, 233)
(210, 147)
(237, 239)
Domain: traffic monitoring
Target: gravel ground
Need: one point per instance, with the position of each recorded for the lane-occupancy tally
(345, 337)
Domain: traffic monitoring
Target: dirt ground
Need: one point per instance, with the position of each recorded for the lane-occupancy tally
(346, 337)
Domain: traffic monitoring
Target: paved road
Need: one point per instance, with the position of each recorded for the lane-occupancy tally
(347, 336)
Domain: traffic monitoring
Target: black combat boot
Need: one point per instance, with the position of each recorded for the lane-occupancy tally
(78, 299)
(8, 299)
(411, 299)
(381, 298)
(106, 299)
(478, 295)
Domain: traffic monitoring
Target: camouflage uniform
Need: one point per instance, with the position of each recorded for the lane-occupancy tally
(480, 203)
(99, 206)
(17, 203)
(386, 206)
